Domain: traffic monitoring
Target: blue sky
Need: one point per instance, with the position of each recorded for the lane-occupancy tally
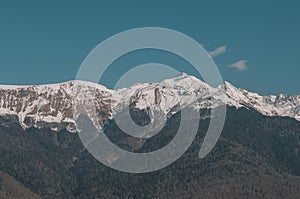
(46, 41)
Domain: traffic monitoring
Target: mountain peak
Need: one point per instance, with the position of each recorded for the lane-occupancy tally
(229, 85)
(182, 74)
(53, 103)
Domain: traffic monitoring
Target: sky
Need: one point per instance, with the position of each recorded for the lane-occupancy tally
(255, 44)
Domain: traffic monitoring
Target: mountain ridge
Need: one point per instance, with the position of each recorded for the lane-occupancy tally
(54, 103)
(255, 157)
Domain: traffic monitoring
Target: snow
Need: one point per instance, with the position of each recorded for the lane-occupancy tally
(183, 90)
(6, 112)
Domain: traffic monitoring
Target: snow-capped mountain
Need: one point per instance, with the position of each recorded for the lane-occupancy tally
(53, 105)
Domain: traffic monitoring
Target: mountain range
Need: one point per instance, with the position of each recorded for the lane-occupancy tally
(42, 156)
(54, 104)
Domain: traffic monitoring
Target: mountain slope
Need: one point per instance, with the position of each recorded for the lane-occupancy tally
(256, 157)
(12, 189)
(54, 104)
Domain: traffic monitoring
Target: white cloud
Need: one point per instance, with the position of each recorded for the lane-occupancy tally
(218, 51)
(239, 65)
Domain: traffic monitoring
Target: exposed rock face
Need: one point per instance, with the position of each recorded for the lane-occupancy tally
(53, 105)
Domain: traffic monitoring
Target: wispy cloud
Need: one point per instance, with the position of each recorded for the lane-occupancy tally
(239, 65)
(218, 51)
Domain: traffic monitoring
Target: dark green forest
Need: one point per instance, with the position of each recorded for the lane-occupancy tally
(256, 157)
